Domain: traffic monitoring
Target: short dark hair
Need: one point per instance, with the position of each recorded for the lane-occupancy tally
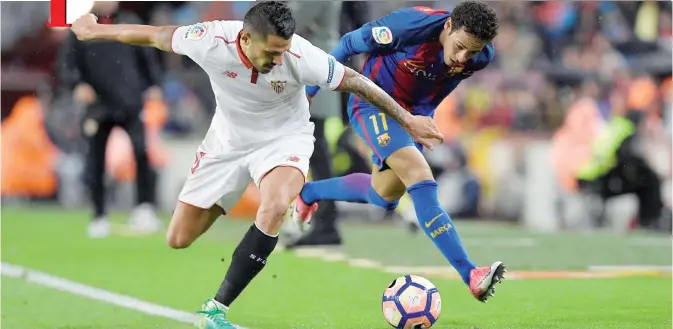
(476, 18)
(270, 18)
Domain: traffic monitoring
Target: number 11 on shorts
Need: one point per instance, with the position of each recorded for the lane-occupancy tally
(375, 122)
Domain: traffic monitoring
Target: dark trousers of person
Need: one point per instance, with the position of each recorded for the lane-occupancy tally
(96, 129)
(631, 175)
(321, 168)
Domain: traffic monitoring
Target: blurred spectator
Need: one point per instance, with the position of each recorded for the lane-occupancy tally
(18, 20)
(550, 57)
(617, 166)
(111, 79)
(354, 14)
(516, 47)
(319, 22)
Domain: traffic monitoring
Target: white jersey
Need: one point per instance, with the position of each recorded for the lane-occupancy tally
(252, 107)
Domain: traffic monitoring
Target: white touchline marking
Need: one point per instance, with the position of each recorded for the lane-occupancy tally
(447, 272)
(630, 268)
(76, 288)
(499, 242)
(651, 242)
(364, 263)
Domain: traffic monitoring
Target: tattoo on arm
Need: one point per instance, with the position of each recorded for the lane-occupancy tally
(358, 84)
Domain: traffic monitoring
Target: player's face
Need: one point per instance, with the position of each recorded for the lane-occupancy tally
(266, 53)
(460, 46)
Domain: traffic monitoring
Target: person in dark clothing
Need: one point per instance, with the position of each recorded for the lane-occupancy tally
(354, 14)
(621, 168)
(113, 80)
(319, 22)
(322, 18)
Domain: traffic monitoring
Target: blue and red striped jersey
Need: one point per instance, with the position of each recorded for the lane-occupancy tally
(406, 58)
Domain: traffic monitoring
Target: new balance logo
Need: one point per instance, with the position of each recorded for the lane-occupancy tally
(258, 259)
(230, 74)
(197, 161)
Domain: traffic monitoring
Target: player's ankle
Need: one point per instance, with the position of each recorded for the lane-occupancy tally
(220, 305)
(307, 195)
(248, 260)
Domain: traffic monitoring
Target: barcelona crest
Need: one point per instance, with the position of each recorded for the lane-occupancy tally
(383, 140)
(278, 86)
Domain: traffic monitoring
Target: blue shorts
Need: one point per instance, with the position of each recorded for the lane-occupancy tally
(382, 134)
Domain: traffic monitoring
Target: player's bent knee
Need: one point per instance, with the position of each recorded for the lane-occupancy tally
(378, 200)
(417, 175)
(176, 240)
(410, 166)
(387, 185)
(275, 208)
(178, 235)
(188, 223)
(270, 214)
(277, 189)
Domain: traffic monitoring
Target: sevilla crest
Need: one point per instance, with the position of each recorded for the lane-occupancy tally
(278, 86)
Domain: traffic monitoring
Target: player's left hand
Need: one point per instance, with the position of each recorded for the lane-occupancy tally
(154, 93)
(423, 130)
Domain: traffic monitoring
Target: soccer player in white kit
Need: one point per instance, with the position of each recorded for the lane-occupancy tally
(260, 132)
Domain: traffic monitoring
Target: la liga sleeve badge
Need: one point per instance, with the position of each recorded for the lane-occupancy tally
(196, 32)
(382, 35)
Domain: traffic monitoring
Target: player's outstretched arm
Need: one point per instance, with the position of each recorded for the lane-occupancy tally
(87, 28)
(393, 31)
(350, 45)
(421, 128)
(358, 84)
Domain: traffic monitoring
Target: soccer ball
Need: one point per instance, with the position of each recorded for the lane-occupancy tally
(411, 302)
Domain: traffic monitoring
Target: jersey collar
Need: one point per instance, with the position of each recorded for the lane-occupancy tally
(244, 58)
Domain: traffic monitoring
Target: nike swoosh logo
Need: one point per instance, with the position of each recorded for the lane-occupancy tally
(428, 224)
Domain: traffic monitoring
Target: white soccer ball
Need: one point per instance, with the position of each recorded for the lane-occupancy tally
(411, 302)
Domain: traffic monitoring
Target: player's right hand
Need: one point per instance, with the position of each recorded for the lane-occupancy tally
(82, 27)
(423, 130)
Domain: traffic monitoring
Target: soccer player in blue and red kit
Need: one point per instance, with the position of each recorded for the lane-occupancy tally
(418, 55)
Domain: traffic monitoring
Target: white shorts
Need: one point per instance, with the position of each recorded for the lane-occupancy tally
(222, 173)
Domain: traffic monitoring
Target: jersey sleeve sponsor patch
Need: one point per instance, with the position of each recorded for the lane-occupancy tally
(195, 32)
(382, 35)
(330, 74)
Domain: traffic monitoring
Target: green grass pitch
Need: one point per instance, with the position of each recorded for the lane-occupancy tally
(309, 293)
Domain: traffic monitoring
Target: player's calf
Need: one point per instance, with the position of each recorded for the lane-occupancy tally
(188, 223)
(277, 189)
(359, 188)
(412, 169)
(438, 226)
(382, 189)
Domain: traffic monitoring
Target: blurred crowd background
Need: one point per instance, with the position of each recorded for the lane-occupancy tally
(562, 70)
